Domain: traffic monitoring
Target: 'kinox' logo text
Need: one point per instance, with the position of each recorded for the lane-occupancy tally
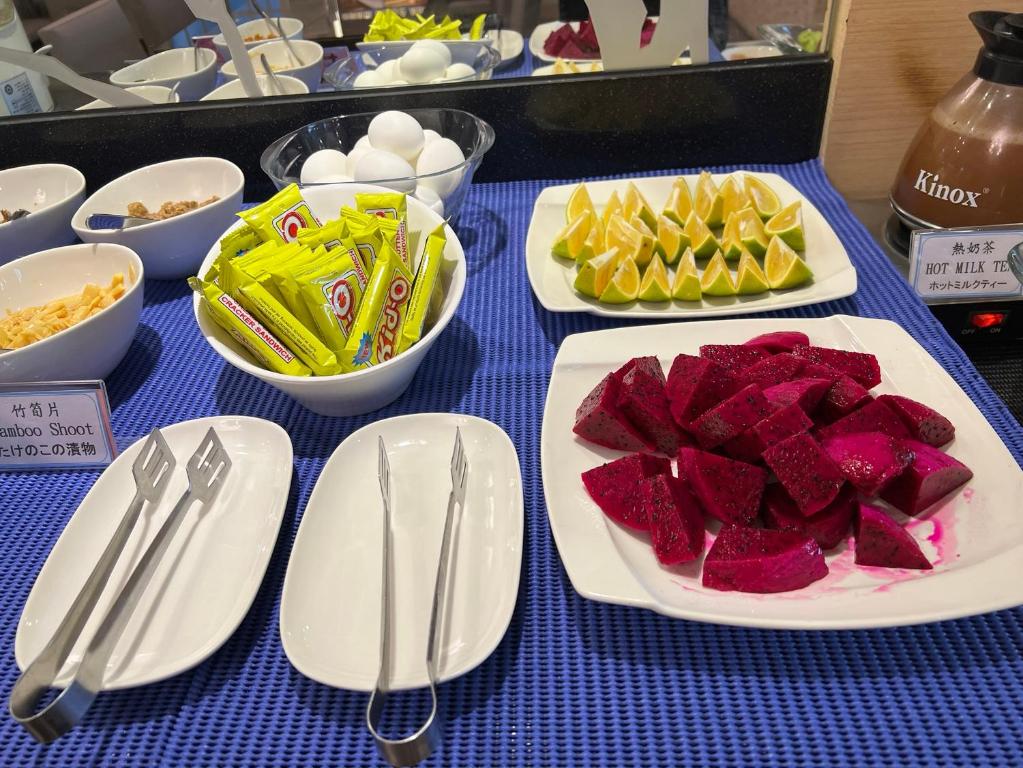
(928, 183)
(390, 318)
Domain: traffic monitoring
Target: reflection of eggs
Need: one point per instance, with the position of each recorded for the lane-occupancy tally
(326, 162)
(388, 71)
(439, 155)
(458, 70)
(368, 79)
(397, 132)
(377, 165)
(437, 47)
(430, 199)
(421, 65)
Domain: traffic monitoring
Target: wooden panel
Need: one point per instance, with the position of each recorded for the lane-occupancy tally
(894, 61)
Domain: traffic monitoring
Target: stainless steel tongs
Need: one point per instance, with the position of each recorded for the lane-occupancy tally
(412, 749)
(206, 469)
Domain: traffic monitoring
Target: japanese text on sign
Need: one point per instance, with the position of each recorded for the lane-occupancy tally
(966, 264)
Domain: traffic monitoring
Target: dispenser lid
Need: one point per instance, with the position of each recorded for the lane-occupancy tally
(1001, 58)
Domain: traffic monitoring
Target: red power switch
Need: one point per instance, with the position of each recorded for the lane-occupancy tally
(984, 320)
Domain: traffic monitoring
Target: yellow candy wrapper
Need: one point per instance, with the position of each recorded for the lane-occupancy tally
(282, 216)
(333, 291)
(378, 325)
(284, 276)
(238, 241)
(264, 347)
(423, 288)
(367, 240)
(389, 206)
(329, 235)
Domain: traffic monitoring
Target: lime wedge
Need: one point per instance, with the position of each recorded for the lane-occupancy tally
(717, 280)
(623, 237)
(614, 205)
(572, 238)
(680, 202)
(578, 202)
(708, 203)
(635, 204)
(702, 239)
(593, 244)
(624, 285)
(647, 239)
(655, 286)
(733, 197)
(596, 273)
(671, 240)
(783, 267)
(765, 201)
(687, 280)
(788, 225)
(751, 231)
(751, 278)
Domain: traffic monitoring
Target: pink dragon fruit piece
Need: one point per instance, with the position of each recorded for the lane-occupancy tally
(868, 460)
(805, 471)
(694, 385)
(645, 405)
(731, 417)
(615, 487)
(925, 423)
(598, 420)
(728, 490)
(762, 561)
(557, 39)
(875, 416)
(829, 527)
(818, 371)
(929, 478)
(844, 397)
(649, 365)
(882, 542)
(784, 422)
(588, 37)
(675, 519)
(861, 366)
(773, 370)
(805, 393)
(734, 357)
(779, 341)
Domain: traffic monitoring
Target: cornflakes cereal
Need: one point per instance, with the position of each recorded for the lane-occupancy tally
(27, 326)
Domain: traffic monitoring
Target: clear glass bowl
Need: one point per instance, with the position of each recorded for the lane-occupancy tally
(282, 160)
(341, 74)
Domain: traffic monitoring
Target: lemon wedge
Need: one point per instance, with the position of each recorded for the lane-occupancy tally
(647, 239)
(655, 285)
(708, 202)
(614, 205)
(783, 266)
(788, 225)
(717, 280)
(671, 240)
(733, 197)
(687, 280)
(700, 237)
(635, 203)
(680, 202)
(578, 202)
(765, 201)
(751, 278)
(619, 234)
(624, 285)
(751, 231)
(593, 244)
(572, 238)
(595, 274)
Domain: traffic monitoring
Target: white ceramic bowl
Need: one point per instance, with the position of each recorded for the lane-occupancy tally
(157, 94)
(277, 55)
(366, 390)
(174, 66)
(292, 29)
(92, 348)
(50, 193)
(172, 248)
(235, 90)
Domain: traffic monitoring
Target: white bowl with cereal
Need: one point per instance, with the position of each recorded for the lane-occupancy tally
(36, 205)
(171, 247)
(68, 313)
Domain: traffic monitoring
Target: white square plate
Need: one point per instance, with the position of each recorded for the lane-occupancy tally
(974, 538)
(551, 278)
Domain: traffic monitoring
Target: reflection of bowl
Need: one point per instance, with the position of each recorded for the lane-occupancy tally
(174, 247)
(365, 390)
(292, 29)
(743, 51)
(50, 193)
(282, 161)
(90, 349)
(786, 36)
(157, 94)
(235, 90)
(464, 51)
(282, 62)
(342, 73)
(174, 66)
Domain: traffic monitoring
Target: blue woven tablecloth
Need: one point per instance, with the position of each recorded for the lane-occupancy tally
(574, 682)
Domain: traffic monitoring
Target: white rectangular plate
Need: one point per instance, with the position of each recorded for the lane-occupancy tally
(209, 575)
(551, 278)
(974, 538)
(330, 611)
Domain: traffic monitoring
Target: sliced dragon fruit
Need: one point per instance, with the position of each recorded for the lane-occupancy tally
(696, 384)
(734, 357)
(756, 560)
(598, 420)
(926, 424)
(875, 416)
(779, 341)
(615, 487)
(929, 478)
(844, 397)
(818, 371)
(784, 422)
(861, 366)
(868, 460)
(731, 417)
(728, 490)
(805, 393)
(645, 405)
(828, 527)
(882, 542)
(675, 519)
(805, 471)
(649, 365)
(773, 370)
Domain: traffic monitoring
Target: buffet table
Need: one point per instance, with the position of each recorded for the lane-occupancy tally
(573, 682)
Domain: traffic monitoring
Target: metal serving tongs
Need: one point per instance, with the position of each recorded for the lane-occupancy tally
(207, 469)
(415, 748)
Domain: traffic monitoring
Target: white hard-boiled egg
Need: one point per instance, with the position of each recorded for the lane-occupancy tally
(458, 71)
(362, 146)
(439, 155)
(336, 178)
(325, 162)
(428, 197)
(436, 46)
(421, 65)
(398, 133)
(430, 135)
(378, 166)
(388, 71)
(368, 79)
